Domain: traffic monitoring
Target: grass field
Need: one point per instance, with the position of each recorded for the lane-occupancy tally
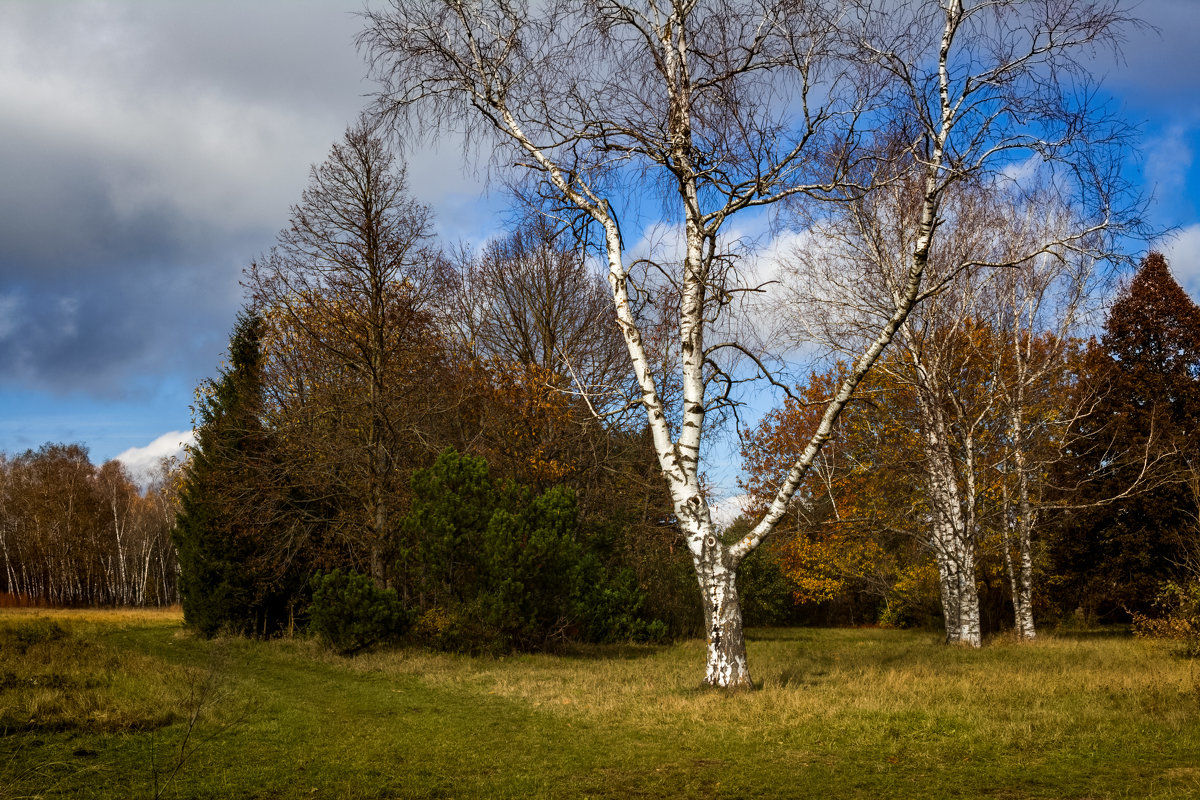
(128, 704)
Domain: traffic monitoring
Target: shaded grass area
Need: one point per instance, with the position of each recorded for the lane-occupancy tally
(840, 713)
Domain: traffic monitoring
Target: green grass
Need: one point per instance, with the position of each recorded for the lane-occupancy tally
(101, 708)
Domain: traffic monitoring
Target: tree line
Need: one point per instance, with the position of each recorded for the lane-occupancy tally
(1055, 471)
(956, 187)
(73, 533)
(848, 120)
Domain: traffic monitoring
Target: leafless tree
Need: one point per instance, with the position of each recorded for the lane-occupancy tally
(530, 297)
(346, 293)
(725, 107)
(1038, 312)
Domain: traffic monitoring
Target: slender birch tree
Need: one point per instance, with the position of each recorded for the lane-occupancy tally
(1037, 313)
(725, 107)
(987, 135)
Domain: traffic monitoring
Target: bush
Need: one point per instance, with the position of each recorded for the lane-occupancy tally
(350, 613)
(611, 608)
(1180, 620)
(915, 599)
(503, 567)
(768, 595)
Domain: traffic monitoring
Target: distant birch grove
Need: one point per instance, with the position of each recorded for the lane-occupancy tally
(72, 533)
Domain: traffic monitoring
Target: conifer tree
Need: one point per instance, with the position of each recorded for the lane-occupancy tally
(1113, 557)
(226, 581)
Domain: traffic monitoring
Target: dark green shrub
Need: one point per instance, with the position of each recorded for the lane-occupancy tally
(768, 596)
(612, 608)
(497, 568)
(350, 613)
(531, 568)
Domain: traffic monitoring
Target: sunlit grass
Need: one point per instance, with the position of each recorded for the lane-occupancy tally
(838, 713)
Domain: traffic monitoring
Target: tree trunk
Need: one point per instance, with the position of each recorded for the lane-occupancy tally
(970, 632)
(1023, 590)
(952, 541)
(948, 583)
(727, 667)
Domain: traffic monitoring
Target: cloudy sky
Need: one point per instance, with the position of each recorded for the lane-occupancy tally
(151, 149)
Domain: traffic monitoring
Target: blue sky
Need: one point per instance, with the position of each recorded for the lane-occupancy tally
(153, 149)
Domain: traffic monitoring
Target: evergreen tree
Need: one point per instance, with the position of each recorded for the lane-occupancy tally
(227, 576)
(1113, 557)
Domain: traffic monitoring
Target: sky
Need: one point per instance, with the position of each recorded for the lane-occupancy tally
(151, 150)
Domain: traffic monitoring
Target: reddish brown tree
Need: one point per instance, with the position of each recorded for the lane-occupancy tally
(1112, 557)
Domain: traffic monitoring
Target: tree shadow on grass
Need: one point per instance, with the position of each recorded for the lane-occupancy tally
(779, 634)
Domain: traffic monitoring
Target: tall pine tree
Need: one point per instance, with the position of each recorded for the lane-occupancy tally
(229, 577)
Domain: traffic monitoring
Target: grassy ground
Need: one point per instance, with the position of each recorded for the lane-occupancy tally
(103, 704)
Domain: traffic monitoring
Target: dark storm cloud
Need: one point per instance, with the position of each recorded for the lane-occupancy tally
(150, 150)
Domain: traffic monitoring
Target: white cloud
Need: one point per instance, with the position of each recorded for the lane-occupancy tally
(143, 462)
(1183, 254)
(726, 510)
(10, 307)
(1169, 158)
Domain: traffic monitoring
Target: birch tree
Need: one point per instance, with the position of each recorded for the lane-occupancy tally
(1038, 313)
(724, 108)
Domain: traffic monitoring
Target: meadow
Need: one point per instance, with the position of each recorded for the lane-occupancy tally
(129, 704)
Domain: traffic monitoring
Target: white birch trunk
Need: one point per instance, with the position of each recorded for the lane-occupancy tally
(1024, 612)
(951, 536)
(10, 573)
(726, 662)
(1020, 574)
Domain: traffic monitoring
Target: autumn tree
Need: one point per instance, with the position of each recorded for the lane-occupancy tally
(848, 536)
(1113, 548)
(729, 107)
(160, 562)
(530, 297)
(985, 363)
(346, 294)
